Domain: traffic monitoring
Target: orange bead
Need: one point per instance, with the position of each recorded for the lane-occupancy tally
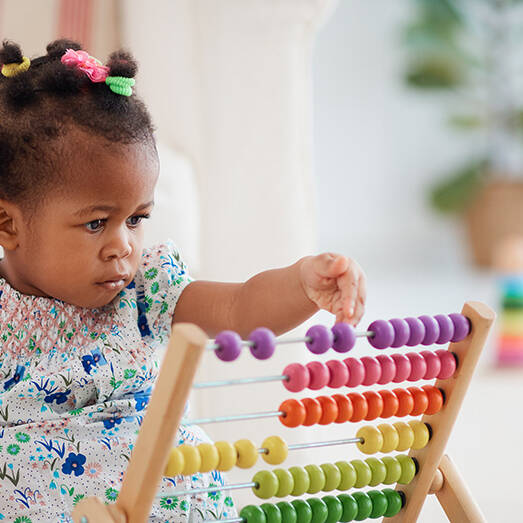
(294, 413)
(406, 402)
(390, 403)
(344, 408)
(435, 397)
(312, 411)
(329, 410)
(374, 405)
(359, 406)
(421, 401)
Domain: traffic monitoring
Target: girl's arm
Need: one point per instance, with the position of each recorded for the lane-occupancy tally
(279, 299)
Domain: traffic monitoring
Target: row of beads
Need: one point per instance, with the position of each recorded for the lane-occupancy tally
(342, 475)
(368, 406)
(328, 509)
(399, 436)
(369, 370)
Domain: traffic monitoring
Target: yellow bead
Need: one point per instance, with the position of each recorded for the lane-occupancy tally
(277, 450)
(421, 434)
(191, 459)
(175, 464)
(247, 453)
(372, 439)
(209, 456)
(227, 454)
(406, 436)
(391, 437)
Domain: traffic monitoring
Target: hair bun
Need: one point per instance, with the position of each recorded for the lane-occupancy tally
(57, 48)
(10, 53)
(122, 63)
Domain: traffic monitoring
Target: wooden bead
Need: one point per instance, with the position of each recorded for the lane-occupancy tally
(285, 482)
(421, 434)
(332, 476)
(175, 463)
(277, 450)
(344, 408)
(293, 413)
(378, 469)
(390, 437)
(372, 439)
(191, 459)
(209, 457)
(267, 484)
(406, 402)
(348, 475)
(247, 453)
(313, 411)
(421, 400)
(405, 434)
(393, 470)
(228, 455)
(390, 403)
(374, 405)
(363, 473)
(316, 478)
(329, 410)
(435, 397)
(359, 406)
(301, 480)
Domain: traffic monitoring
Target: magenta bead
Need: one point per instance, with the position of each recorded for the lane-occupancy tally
(319, 375)
(417, 331)
(403, 367)
(356, 372)
(461, 326)
(388, 368)
(298, 377)
(431, 330)
(230, 345)
(321, 339)
(372, 370)
(264, 343)
(383, 334)
(418, 367)
(448, 364)
(338, 373)
(433, 364)
(446, 328)
(344, 337)
(401, 332)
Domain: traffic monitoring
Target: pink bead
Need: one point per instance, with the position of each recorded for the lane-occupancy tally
(403, 367)
(433, 364)
(299, 377)
(372, 370)
(356, 372)
(388, 369)
(448, 364)
(319, 374)
(418, 366)
(338, 373)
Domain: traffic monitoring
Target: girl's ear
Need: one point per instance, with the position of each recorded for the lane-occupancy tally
(9, 216)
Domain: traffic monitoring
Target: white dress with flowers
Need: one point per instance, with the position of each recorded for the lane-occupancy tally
(74, 386)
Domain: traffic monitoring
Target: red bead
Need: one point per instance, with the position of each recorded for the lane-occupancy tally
(388, 369)
(418, 367)
(294, 413)
(435, 397)
(329, 410)
(344, 408)
(338, 373)
(356, 372)
(448, 364)
(406, 402)
(433, 364)
(390, 403)
(312, 411)
(298, 375)
(359, 406)
(374, 405)
(403, 367)
(421, 401)
(319, 375)
(372, 370)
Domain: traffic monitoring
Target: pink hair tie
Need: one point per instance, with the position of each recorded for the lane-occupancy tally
(92, 67)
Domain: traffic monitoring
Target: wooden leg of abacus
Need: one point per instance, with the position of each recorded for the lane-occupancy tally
(155, 439)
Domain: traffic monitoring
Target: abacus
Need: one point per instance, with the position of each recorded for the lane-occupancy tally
(425, 469)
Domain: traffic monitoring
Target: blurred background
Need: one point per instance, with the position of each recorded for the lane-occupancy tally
(391, 132)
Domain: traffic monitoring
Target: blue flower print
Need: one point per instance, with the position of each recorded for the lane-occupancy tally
(74, 464)
(59, 397)
(112, 421)
(142, 398)
(142, 319)
(19, 374)
(92, 360)
(132, 285)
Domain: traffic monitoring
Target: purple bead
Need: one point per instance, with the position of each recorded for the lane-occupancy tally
(321, 339)
(461, 326)
(446, 328)
(431, 329)
(417, 331)
(383, 334)
(230, 345)
(344, 337)
(401, 332)
(264, 343)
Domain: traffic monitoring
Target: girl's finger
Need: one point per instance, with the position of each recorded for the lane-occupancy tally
(329, 265)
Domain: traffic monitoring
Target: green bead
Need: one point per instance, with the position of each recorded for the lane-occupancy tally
(285, 482)
(364, 505)
(303, 510)
(272, 512)
(267, 484)
(317, 478)
(393, 470)
(320, 512)
(363, 473)
(379, 503)
(350, 507)
(348, 475)
(332, 476)
(301, 481)
(288, 512)
(394, 502)
(408, 469)
(334, 508)
(253, 514)
(378, 471)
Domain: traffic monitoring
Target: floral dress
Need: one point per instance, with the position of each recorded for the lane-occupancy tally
(74, 387)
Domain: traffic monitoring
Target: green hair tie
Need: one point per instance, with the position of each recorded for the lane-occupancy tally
(120, 85)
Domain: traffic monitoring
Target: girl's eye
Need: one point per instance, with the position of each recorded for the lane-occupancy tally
(136, 220)
(95, 225)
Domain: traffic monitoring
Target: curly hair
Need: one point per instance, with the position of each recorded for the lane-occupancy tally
(40, 106)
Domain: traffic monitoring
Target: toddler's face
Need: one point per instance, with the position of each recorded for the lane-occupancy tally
(84, 245)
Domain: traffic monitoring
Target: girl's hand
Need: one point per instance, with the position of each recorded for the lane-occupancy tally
(335, 283)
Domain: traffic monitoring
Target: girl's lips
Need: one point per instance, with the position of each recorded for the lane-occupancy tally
(112, 285)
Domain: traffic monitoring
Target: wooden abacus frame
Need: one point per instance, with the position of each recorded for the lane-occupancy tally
(437, 474)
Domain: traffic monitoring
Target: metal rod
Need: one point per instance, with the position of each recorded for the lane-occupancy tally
(299, 446)
(239, 381)
(194, 491)
(239, 417)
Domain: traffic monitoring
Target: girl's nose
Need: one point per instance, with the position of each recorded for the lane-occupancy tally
(118, 247)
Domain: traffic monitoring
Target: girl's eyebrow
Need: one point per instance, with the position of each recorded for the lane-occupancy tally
(107, 208)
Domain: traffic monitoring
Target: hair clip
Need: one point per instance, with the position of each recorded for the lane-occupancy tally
(120, 85)
(14, 68)
(93, 68)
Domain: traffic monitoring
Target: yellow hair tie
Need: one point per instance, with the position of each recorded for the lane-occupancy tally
(14, 68)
